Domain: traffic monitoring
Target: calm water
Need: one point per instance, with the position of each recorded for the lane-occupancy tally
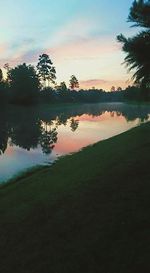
(37, 136)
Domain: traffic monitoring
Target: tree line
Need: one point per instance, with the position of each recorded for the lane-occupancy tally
(26, 84)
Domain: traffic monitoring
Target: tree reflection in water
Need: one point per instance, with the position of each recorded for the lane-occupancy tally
(3, 140)
(33, 126)
(48, 137)
(4, 132)
(74, 124)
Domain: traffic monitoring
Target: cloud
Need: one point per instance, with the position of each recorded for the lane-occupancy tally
(84, 48)
(75, 30)
(30, 56)
(103, 84)
(76, 48)
(77, 40)
(80, 40)
(20, 56)
(81, 48)
(93, 82)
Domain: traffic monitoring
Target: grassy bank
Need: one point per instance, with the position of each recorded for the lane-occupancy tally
(87, 213)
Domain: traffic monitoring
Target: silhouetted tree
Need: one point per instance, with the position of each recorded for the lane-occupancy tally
(140, 13)
(1, 75)
(137, 48)
(63, 86)
(46, 70)
(47, 95)
(63, 92)
(74, 82)
(132, 93)
(24, 83)
(113, 89)
(119, 89)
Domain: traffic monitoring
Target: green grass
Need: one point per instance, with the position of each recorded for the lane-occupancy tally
(87, 213)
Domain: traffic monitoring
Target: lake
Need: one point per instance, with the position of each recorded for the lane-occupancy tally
(36, 136)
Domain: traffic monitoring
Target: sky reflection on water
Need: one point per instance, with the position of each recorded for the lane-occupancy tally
(39, 136)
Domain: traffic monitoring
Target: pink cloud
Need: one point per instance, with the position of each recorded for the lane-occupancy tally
(80, 49)
(22, 56)
(83, 48)
(103, 84)
(93, 82)
(75, 49)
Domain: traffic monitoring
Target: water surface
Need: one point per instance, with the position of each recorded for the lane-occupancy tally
(38, 135)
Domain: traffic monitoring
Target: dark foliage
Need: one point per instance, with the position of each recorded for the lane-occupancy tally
(137, 48)
(140, 13)
(24, 84)
(46, 70)
(74, 83)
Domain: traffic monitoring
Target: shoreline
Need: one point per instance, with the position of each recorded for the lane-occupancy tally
(88, 208)
(37, 169)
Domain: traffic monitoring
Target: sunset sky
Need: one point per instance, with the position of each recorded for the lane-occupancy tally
(79, 36)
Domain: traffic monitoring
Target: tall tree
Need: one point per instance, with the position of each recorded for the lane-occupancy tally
(74, 82)
(46, 70)
(137, 48)
(24, 83)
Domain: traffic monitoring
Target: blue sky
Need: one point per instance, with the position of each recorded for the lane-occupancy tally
(79, 36)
